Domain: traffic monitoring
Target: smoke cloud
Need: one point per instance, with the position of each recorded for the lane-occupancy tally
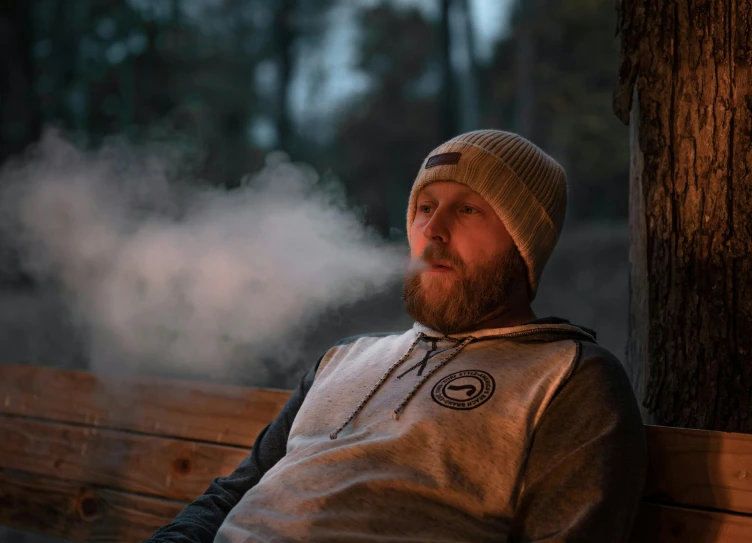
(165, 272)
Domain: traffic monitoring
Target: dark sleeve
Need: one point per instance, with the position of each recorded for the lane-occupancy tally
(200, 519)
(587, 463)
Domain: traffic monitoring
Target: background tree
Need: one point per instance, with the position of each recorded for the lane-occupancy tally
(470, 105)
(685, 87)
(552, 77)
(448, 84)
(284, 41)
(524, 72)
(20, 120)
(20, 115)
(382, 138)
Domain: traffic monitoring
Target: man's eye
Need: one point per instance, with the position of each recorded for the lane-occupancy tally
(469, 210)
(425, 208)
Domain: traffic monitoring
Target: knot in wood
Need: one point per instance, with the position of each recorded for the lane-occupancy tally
(88, 507)
(182, 466)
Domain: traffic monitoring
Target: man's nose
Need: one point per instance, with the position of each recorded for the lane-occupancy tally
(437, 228)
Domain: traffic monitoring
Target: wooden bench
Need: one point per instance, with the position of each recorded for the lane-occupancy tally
(91, 458)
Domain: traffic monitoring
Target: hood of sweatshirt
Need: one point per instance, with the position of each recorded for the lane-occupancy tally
(538, 330)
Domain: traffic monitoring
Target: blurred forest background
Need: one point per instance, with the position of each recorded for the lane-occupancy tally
(359, 89)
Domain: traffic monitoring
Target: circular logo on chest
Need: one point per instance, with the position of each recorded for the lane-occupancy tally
(464, 389)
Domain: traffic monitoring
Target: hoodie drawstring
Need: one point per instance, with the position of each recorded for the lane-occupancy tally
(396, 413)
(401, 406)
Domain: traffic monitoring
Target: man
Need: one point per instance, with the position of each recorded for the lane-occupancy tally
(481, 423)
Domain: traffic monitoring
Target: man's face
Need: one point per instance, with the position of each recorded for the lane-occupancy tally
(464, 266)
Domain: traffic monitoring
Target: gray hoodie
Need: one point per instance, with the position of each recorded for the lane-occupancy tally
(529, 433)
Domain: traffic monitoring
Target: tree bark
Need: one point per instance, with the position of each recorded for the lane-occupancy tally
(637, 340)
(689, 63)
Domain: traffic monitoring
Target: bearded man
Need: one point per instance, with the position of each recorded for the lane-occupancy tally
(481, 423)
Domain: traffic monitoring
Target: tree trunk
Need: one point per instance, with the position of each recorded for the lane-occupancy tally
(449, 92)
(468, 84)
(20, 118)
(689, 65)
(284, 37)
(20, 111)
(524, 101)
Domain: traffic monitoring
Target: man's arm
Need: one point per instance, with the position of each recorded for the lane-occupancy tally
(200, 520)
(587, 463)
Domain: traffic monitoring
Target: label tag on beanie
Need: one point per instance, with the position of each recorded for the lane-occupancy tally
(443, 158)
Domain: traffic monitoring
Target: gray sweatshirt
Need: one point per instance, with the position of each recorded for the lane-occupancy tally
(520, 434)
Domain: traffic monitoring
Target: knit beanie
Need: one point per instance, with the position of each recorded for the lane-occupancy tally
(526, 187)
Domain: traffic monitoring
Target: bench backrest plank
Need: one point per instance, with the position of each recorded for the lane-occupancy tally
(664, 524)
(79, 512)
(700, 468)
(144, 464)
(195, 410)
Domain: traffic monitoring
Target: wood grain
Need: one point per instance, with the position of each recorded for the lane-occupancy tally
(666, 524)
(156, 466)
(700, 468)
(78, 512)
(226, 414)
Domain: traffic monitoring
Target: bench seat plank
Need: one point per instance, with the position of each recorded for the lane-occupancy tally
(705, 469)
(203, 411)
(152, 465)
(69, 510)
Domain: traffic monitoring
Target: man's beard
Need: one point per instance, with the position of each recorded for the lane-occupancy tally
(475, 295)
